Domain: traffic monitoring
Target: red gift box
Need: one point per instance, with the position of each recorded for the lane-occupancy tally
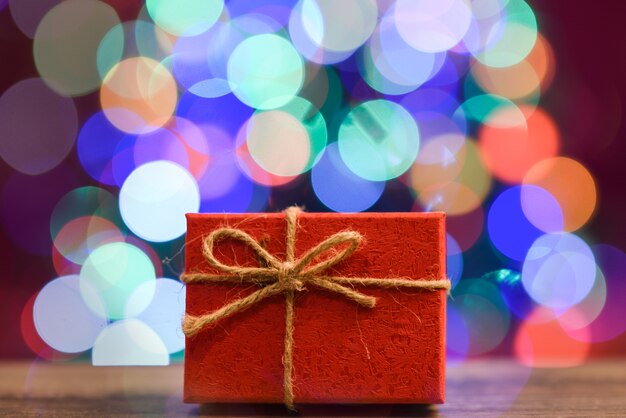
(342, 351)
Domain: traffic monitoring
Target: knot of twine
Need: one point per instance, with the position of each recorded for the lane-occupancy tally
(287, 277)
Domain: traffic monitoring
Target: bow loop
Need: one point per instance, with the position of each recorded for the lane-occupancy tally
(220, 234)
(305, 263)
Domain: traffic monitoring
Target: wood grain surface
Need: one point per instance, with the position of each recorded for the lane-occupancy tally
(486, 388)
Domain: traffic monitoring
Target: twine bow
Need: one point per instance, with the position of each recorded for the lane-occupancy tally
(287, 277)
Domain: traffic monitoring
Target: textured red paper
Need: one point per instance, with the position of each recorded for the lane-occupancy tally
(343, 353)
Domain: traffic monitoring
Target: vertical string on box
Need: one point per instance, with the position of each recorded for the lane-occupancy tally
(291, 218)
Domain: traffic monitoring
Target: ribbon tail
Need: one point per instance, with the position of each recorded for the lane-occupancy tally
(193, 324)
(358, 297)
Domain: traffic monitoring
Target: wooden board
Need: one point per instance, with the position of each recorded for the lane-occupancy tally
(475, 389)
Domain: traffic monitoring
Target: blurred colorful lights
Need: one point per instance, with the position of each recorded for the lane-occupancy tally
(432, 26)
(187, 17)
(155, 198)
(273, 80)
(507, 218)
(542, 342)
(167, 306)
(35, 148)
(278, 143)
(66, 43)
(560, 176)
(114, 271)
(129, 342)
(138, 95)
(340, 189)
(378, 140)
(62, 318)
(559, 270)
(484, 312)
(239, 106)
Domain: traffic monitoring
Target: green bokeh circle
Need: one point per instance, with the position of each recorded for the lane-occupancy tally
(115, 270)
(378, 140)
(185, 17)
(265, 71)
(517, 39)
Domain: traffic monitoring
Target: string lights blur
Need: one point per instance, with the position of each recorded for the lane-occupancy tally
(212, 106)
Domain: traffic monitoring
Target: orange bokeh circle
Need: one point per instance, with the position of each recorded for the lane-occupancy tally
(542, 342)
(572, 186)
(138, 95)
(509, 149)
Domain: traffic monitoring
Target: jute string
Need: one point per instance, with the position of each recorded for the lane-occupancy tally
(287, 277)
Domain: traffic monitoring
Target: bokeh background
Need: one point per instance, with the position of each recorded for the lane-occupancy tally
(118, 116)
